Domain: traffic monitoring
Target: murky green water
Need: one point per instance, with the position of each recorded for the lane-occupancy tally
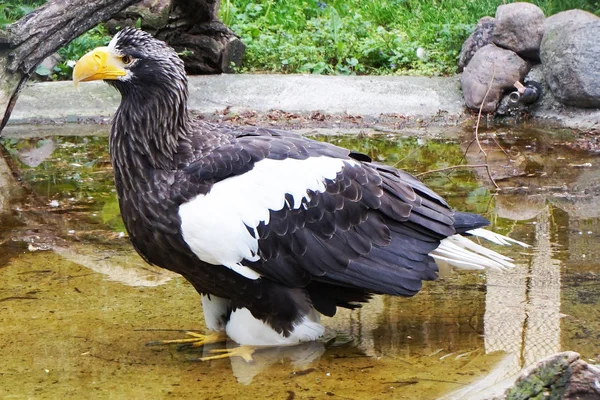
(77, 305)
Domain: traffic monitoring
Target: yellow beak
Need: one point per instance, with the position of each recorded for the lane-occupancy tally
(99, 63)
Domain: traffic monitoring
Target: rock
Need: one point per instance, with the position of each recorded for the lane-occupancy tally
(233, 55)
(205, 48)
(568, 18)
(570, 51)
(192, 28)
(519, 27)
(504, 65)
(550, 112)
(153, 15)
(481, 36)
(560, 376)
(584, 382)
(507, 108)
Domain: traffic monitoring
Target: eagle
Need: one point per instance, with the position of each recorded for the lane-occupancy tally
(271, 228)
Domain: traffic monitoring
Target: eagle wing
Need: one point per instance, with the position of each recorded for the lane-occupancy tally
(294, 210)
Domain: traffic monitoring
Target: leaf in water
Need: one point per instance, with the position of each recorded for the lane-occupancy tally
(42, 71)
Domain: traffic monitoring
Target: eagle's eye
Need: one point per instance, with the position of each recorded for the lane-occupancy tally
(126, 59)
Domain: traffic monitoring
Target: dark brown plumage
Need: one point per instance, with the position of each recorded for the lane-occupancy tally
(272, 228)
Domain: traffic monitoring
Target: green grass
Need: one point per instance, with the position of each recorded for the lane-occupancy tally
(362, 37)
(380, 37)
(12, 10)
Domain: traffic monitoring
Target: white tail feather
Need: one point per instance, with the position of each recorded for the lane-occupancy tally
(463, 253)
(495, 237)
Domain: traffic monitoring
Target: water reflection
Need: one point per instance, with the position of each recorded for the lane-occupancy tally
(36, 151)
(80, 301)
(299, 358)
(522, 313)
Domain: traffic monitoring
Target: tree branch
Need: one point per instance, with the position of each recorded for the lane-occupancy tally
(40, 33)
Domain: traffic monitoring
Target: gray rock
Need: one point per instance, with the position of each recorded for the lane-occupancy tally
(567, 18)
(481, 36)
(550, 112)
(560, 376)
(570, 52)
(519, 27)
(153, 15)
(505, 66)
(584, 382)
(507, 109)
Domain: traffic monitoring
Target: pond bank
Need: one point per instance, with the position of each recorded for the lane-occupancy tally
(292, 101)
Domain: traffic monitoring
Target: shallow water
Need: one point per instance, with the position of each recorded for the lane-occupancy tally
(77, 305)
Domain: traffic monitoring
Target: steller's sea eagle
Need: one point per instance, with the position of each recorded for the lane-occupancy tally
(271, 228)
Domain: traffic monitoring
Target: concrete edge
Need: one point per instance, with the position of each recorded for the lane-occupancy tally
(414, 100)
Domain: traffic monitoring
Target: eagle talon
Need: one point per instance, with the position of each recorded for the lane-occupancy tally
(245, 352)
(197, 340)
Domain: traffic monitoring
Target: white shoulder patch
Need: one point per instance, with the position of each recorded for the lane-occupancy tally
(215, 225)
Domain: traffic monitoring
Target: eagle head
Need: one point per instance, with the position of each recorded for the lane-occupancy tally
(151, 79)
(133, 62)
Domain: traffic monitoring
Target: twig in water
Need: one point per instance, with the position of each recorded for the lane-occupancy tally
(453, 167)
(405, 157)
(486, 165)
(500, 146)
(464, 157)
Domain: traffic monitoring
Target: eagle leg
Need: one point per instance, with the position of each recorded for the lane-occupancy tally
(196, 340)
(245, 352)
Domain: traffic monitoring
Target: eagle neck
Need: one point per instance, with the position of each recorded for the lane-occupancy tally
(151, 125)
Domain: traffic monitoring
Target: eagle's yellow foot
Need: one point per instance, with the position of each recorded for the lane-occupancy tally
(197, 340)
(245, 352)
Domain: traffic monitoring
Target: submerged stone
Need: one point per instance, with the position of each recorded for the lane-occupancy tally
(560, 376)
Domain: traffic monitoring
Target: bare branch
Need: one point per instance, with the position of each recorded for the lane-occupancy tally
(487, 166)
(500, 146)
(481, 109)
